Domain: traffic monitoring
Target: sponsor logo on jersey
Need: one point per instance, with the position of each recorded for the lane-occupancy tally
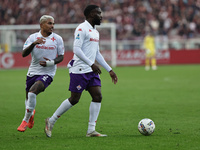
(78, 37)
(79, 29)
(50, 47)
(90, 30)
(93, 39)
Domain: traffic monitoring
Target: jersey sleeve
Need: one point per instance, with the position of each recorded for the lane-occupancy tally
(61, 48)
(28, 42)
(79, 37)
(102, 62)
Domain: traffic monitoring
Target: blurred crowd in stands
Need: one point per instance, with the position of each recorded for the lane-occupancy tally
(133, 17)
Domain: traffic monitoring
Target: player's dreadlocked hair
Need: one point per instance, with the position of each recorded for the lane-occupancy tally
(88, 9)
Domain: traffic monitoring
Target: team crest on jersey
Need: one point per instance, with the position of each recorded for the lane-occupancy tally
(78, 37)
(78, 87)
(53, 39)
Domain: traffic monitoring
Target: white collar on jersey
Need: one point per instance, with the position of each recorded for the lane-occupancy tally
(50, 36)
(89, 25)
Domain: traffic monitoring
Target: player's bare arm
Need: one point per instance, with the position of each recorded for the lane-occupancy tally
(49, 62)
(113, 76)
(29, 49)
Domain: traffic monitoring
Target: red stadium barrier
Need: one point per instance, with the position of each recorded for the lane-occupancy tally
(137, 57)
(185, 57)
(15, 60)
(124, 58)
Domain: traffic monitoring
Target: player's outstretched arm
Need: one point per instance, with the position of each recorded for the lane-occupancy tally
(113, 76)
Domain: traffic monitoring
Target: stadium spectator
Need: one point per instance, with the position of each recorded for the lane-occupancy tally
(167, 17)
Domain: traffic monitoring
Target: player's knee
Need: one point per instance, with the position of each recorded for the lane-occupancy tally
(74, 100)
(97, 98)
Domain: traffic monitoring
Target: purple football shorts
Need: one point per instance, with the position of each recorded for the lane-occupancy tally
(46, 79)
(79, 82)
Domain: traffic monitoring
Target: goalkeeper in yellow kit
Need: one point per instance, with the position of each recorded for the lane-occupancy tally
(149, 45)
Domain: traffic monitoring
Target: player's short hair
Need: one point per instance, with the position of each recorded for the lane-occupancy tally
(89, 8)
(45, 17)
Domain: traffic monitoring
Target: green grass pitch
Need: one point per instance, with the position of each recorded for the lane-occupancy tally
(170, 96)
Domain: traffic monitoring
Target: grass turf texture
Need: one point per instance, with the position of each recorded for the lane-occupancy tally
(169, 96)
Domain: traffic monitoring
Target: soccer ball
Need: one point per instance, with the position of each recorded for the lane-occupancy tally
(146, 126)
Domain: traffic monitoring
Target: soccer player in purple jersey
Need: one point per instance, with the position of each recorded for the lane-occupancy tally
(84, 73)
(47, 50)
